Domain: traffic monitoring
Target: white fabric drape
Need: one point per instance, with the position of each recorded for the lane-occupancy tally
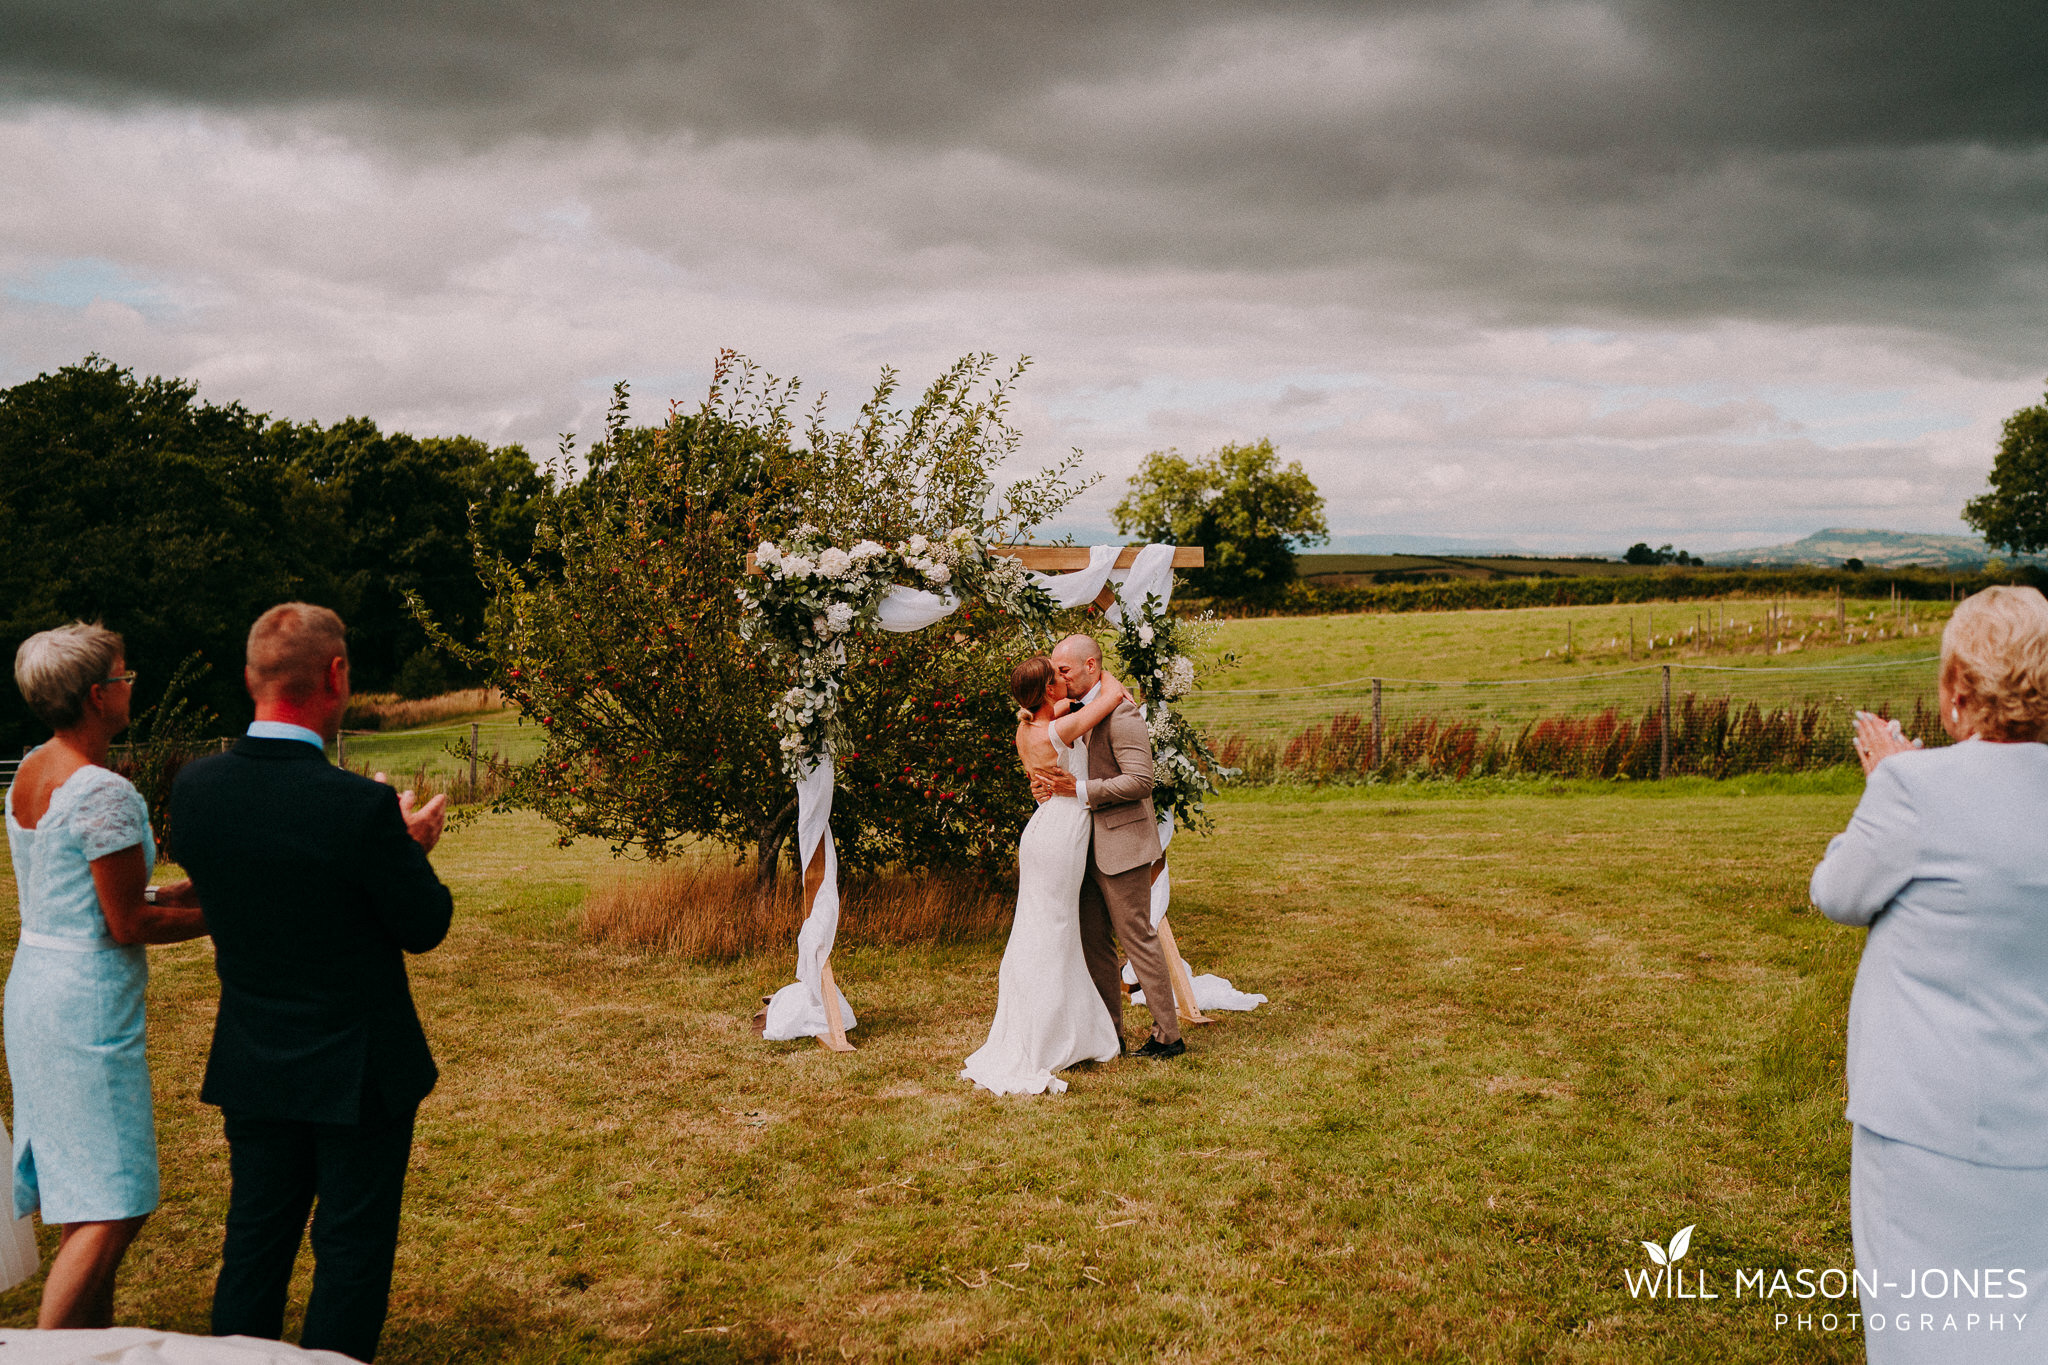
(1212, 992)
(148, 1346)
(18, 1256)
(798, 1009)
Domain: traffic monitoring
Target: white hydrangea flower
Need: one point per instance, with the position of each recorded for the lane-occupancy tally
(834, 562)
(867, 550)
(767, 556)
(939, 573)
(917, 545)
(796, 566)
(839, 616)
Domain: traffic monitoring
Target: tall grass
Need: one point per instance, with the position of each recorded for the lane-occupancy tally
(494, 778)
(712, 912)
(1710, 737)
(389, 711)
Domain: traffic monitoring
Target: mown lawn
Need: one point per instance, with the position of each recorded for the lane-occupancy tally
(1515, 1031)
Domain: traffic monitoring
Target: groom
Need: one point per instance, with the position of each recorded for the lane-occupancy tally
(1116, 895)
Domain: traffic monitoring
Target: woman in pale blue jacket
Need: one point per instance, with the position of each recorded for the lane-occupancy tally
(1946, 859)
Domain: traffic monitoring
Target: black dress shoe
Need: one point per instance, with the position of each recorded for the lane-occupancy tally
(1158, 1050)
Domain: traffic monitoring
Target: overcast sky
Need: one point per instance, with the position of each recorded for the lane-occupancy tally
(1568, 275)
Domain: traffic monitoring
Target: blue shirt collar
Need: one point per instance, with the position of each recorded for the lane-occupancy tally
(279, 729)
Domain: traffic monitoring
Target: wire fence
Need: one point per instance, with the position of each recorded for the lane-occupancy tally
(1657, 720)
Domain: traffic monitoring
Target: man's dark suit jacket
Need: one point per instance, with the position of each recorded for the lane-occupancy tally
(314, 893)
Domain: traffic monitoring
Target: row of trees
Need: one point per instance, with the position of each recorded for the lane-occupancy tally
(177, 521)
(598, 593)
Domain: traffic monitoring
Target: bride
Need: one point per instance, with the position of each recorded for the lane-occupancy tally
(1048, 1012)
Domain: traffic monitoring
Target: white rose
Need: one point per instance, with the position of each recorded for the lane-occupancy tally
(820, 626)
(840, 616)
(834, 562)
(1144, 635)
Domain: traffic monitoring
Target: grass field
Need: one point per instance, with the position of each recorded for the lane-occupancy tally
(1515, 1031)
(1367, 568)
(1300, 651)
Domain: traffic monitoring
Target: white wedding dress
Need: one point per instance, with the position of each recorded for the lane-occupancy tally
(1048, 1013)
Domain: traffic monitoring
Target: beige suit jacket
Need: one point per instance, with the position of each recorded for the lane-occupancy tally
(1120, 792)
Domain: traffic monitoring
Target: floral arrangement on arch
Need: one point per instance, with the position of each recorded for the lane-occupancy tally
(813, 594)
(1157, 649)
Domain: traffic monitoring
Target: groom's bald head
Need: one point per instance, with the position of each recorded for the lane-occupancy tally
(1079, 661)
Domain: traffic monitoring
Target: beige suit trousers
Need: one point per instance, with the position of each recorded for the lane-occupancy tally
(1116, 907)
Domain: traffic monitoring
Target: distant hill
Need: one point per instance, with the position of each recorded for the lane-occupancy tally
(1878, 549)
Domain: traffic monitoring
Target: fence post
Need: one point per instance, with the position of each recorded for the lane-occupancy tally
(340, 756)
(1567, 639)
(1378, 733)
(1664, 730)
(472, 760)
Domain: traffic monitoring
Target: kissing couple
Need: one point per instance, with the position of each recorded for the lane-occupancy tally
(1084, 881)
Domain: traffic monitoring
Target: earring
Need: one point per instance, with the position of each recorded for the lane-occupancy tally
(1955, 713)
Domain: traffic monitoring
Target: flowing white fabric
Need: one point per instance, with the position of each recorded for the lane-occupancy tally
(148, 1346)
(798, 1010)
(908, 609)
(1151, 572)
(1048, 1012)
(1211, 992)
(19, 1259)
(1079, 588)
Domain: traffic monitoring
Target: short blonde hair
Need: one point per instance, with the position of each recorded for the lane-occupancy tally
(290, 647)
(1995, 651)
(56, 669)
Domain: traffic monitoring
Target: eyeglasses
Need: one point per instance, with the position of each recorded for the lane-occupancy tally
(128, 677)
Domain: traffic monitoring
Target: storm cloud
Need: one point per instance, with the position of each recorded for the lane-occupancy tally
(1440, 251)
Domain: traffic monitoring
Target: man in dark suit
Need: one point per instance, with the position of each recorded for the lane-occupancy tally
(315, 883)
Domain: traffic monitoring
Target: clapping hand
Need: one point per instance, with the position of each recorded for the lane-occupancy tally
(1877, 739)
(425, 823)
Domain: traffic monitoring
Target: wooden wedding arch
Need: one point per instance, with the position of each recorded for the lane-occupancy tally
(821, 862)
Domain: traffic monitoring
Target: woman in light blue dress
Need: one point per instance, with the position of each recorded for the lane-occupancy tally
(1947, 861)
(84, 1131)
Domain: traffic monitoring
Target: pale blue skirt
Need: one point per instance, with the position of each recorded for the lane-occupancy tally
(84, 1125)
(1951, 1257)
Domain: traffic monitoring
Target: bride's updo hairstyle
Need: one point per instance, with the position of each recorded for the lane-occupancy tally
(1028, 683)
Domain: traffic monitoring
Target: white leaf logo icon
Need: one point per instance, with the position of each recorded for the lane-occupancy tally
(1681, 1239)
(1656, 1252)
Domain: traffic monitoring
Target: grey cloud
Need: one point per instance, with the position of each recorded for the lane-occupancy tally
(1815, 160)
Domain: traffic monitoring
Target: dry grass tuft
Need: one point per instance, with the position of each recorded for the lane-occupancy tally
(708, 912)
(389, 711)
